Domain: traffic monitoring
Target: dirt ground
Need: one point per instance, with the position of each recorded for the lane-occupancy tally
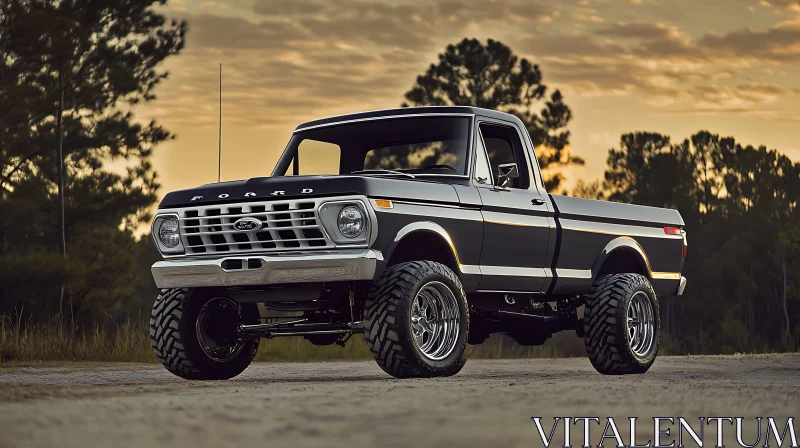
(489, 404)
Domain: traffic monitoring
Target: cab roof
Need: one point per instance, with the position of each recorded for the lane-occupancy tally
(403, 111)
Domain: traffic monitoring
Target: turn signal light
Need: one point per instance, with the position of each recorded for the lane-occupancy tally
(383, 203)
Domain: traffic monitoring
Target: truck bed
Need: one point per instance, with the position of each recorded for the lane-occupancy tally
(589, 230)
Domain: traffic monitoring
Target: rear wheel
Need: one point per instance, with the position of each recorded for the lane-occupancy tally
(622, 326)
(416, 320)
(194, 334)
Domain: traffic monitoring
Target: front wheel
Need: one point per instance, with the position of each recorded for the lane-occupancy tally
(416, 320)
(194, 334)
(621, 324)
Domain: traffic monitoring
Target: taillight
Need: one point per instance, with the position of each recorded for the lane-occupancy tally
(685, 244)
(677, 231)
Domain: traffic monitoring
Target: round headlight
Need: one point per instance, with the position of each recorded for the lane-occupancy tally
(168, 233)
(351, 221)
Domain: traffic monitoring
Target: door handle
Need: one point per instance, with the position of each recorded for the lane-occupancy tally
(537, 201)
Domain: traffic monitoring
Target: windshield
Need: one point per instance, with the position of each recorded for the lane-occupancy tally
(413, 145)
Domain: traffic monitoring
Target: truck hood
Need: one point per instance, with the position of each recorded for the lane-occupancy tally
(291, 187)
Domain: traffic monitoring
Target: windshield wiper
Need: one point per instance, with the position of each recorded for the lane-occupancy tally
(396, 173)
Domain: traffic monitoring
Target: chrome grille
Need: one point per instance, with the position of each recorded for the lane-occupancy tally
(285, 225)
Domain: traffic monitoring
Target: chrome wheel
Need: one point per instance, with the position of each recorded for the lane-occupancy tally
(216, 329)
(640, 324)
(435, 320)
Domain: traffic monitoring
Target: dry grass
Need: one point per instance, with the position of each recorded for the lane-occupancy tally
(561, 345)
(57, 341)
(297, 349)
(61, 341)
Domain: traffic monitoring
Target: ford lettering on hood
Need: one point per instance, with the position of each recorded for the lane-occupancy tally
(292, 187)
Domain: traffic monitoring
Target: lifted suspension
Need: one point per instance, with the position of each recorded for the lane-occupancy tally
(297, 327)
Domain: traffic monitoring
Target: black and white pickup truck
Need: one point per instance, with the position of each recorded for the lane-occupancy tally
(424, 229)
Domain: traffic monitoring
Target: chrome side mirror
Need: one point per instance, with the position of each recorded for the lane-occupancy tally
(506, 172)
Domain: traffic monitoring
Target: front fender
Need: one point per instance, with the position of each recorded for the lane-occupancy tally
(422, 226)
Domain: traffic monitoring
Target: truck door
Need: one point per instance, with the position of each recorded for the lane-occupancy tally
(517, 217)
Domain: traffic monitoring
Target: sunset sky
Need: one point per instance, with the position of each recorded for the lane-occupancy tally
(676, 67)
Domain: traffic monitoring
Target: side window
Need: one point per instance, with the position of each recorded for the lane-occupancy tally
(483, 174)
(503, 146)
(315, 157)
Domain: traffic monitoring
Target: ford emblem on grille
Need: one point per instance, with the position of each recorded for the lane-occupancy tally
(245, 224)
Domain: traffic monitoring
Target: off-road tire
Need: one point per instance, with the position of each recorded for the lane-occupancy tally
(387, 320)
(604, 323)
(174, 339)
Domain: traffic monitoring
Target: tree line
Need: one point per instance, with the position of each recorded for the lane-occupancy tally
(72, 73)
(740, 206)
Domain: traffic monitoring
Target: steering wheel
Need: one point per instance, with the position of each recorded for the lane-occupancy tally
(446, 167)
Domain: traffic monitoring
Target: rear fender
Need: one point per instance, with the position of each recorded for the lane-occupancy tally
(626, 244)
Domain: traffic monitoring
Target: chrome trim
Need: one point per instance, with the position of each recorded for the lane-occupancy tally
(574, 273)
(639, 324)
(206, 231)
(328, 266)
(682, 286)
(435, 320)
(414, 176)
(479, 135)
(666, 275)
(514, 271)
(515, 220)
(370, 233)
(628, 230)
(163, 250)
(535, 182)
(430, 227)
(621, 242)
(470, 269)
(497, 291)
(514, 224)
(227, 231)
(298, 328)
(451, 176)
(384, 117)
(426, 204)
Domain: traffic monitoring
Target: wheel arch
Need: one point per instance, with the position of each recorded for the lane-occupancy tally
(423, 241)
(622, 255)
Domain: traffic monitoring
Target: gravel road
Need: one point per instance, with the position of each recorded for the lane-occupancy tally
(490, 403)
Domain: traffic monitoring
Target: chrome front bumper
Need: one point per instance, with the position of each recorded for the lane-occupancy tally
(682, 285)
(242, 270)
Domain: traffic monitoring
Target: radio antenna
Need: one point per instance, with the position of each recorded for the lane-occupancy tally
(219, 138)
